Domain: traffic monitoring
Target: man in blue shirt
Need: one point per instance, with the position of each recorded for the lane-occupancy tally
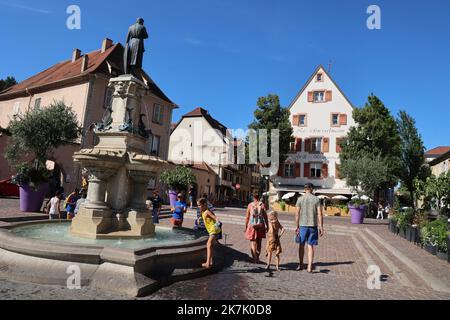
(178, 211)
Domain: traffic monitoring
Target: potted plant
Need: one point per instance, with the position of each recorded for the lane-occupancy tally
(404, 223)
(282, 205)
(419, 220)
(440, 230)
(393, 219)
(358, 209)
(428, 238)
(34, 135)
(178, 180)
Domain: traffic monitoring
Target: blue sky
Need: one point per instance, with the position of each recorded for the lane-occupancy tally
(222, 55)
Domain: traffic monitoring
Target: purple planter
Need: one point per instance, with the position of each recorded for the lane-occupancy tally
(31, 200)
(172, 197)
(357, 214)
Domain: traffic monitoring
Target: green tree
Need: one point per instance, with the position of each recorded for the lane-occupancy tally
(434, 192)
(178, 179)
(412, 154)
(6, 83)
(364, 174)
(375, 137)
(34, 135)
(270, 115)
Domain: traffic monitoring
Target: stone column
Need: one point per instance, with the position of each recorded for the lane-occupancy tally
(97, 187)
(139, 190)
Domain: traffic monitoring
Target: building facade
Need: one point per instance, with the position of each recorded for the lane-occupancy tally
(199, 140)
(321, 116)
(82, 83)
(438, 160)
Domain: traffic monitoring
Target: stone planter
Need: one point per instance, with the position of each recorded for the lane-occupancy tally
(442, 255)
(431, 249)
(402, 233)
(411, 234)
(31, 200)
(357, 214)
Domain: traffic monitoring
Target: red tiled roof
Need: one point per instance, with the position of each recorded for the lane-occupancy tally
(70, 72)
(201, 166)
(437, 151)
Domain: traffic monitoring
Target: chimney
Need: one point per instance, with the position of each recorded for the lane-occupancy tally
(76, 54)
(84, 63)
(106, 44)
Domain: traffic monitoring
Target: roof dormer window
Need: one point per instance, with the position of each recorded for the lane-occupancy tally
(319, 77)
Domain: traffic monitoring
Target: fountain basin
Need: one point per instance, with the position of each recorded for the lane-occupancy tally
(46, 253)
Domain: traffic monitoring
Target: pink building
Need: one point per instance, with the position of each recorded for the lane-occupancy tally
(82, 83)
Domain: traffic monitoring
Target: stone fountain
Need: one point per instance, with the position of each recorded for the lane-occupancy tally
(119, 168)
(112, 239)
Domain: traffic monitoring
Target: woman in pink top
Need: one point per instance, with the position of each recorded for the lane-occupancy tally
(256, 226)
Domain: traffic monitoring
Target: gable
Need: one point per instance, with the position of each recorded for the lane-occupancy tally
(327, 84)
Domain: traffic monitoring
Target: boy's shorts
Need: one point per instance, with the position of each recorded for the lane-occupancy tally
(308, 235)
(176, 222)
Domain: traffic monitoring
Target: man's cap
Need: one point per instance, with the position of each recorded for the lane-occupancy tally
(309, 186)
(179, 195)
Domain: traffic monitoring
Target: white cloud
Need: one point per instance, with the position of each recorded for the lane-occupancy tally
(25, 7)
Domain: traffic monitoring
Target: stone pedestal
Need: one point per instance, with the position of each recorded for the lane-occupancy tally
(119, 170)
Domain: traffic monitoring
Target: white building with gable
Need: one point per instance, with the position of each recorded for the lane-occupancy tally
(321, 115)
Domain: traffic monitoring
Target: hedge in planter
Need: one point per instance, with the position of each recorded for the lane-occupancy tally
(404, 221)
(434, 236)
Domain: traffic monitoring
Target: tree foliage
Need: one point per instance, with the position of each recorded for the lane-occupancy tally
(435, 192)
(412, 154)
(35, 134)
(270, 115)
(178, 179)
(364, 174)
(6, 83)
(374, 141)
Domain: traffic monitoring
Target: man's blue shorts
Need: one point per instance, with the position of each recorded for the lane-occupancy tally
(308, 235)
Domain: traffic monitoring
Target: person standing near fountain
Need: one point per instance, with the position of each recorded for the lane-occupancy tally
(256, 226)
(178, 211)
(212, 227)
(156, 206)
(54, 212)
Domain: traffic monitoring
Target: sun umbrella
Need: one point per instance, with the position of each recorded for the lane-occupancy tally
(365, 198)
(323, 197)
(339, 197)
(288, 195)
(355, 197)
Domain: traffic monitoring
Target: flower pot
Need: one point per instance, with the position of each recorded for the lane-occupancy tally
(431, 249)
(172, 197)
(442, 255)
(402, 233)
(357, 214)
(31, 200)
(411, 234)
(392, 226)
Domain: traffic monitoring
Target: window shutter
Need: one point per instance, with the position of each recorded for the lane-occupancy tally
(325, 170)
(281, 170)
(338, 146)
(343, 119)
(297, 169)
(326, 145)
(338, 172)
(296, 120)
(310, 96)
(298, 144)
(307, 145)
(306, 169)
(328, 95)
